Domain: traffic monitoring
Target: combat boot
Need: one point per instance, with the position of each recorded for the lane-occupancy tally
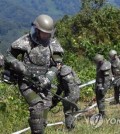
(102, 114)
(114, 103)
(69, 121)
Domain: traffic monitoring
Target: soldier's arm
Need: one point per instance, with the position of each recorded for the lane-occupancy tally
(56, 59)
(107, 73)
(20, 46)
(56, 52)
(107, 76)
(11, 56)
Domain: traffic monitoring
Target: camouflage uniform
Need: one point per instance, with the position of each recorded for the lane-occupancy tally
(41, 60)
(1, 60)
(69, 86)
(115, 65)
(103, 81)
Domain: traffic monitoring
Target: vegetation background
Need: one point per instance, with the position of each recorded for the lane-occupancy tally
(84, 28)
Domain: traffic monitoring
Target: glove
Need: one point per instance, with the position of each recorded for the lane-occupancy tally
(113, 78)
(9, 77)
(44, 82)
(6, 76)
(19, 67)
(55, 101)
(101, 90)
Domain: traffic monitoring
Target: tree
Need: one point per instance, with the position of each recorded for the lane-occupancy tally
(92, 4)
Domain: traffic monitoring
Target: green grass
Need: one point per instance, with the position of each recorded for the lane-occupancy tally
(14, 115)
(8, 125)
(83, 125)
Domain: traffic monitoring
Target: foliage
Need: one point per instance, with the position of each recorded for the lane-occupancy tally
(16, 18)
(13, 110)
(91, 32)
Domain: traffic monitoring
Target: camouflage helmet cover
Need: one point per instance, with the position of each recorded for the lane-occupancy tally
(44, 23)
(98, 58)
(112, 53)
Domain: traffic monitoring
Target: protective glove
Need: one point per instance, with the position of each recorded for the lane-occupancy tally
(55, 101)
(101, 90)
(9, 77)
(19, 67)
(43, 81)
(6, 76)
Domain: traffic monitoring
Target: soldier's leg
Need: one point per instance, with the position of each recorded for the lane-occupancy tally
(37, 120)
(38, 112)
(70, 84)
(116, 94)
(100, 97)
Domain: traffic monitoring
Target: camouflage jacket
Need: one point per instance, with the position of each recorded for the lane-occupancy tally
(37, 59)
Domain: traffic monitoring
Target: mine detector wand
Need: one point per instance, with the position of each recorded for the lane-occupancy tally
(88, 83)
(62, 122)
(83, 85)
(58, 123)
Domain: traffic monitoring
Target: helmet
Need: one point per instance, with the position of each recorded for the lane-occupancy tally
(112, 53)
(98, 58)
(44, 23)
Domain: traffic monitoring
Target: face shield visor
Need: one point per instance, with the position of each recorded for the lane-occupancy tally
(40, 37)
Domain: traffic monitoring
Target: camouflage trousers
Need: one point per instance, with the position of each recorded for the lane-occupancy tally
(100, 97)
(39, 104)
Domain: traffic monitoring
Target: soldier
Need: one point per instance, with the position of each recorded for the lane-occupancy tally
(39, 55)
(103, 81)
(1, 64)
(115, 65)
(1, 60)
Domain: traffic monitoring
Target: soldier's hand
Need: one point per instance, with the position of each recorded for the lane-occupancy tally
(1, 60)
(113, 78)
(44, 82)
(55, 101)
(101, 90)
(59, 66)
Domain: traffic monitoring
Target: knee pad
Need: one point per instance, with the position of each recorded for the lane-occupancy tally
(69, 75)
(65, 70)
(37, 120)
(70, 83)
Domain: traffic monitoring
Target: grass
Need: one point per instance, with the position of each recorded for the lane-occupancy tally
(14, 115)
(110, 124)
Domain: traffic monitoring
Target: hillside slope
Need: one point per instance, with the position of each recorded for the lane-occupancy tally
(17, 15)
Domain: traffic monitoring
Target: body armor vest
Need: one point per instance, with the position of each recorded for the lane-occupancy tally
(104, 74)
(37, 61)
(37, 58)
(116, 66)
